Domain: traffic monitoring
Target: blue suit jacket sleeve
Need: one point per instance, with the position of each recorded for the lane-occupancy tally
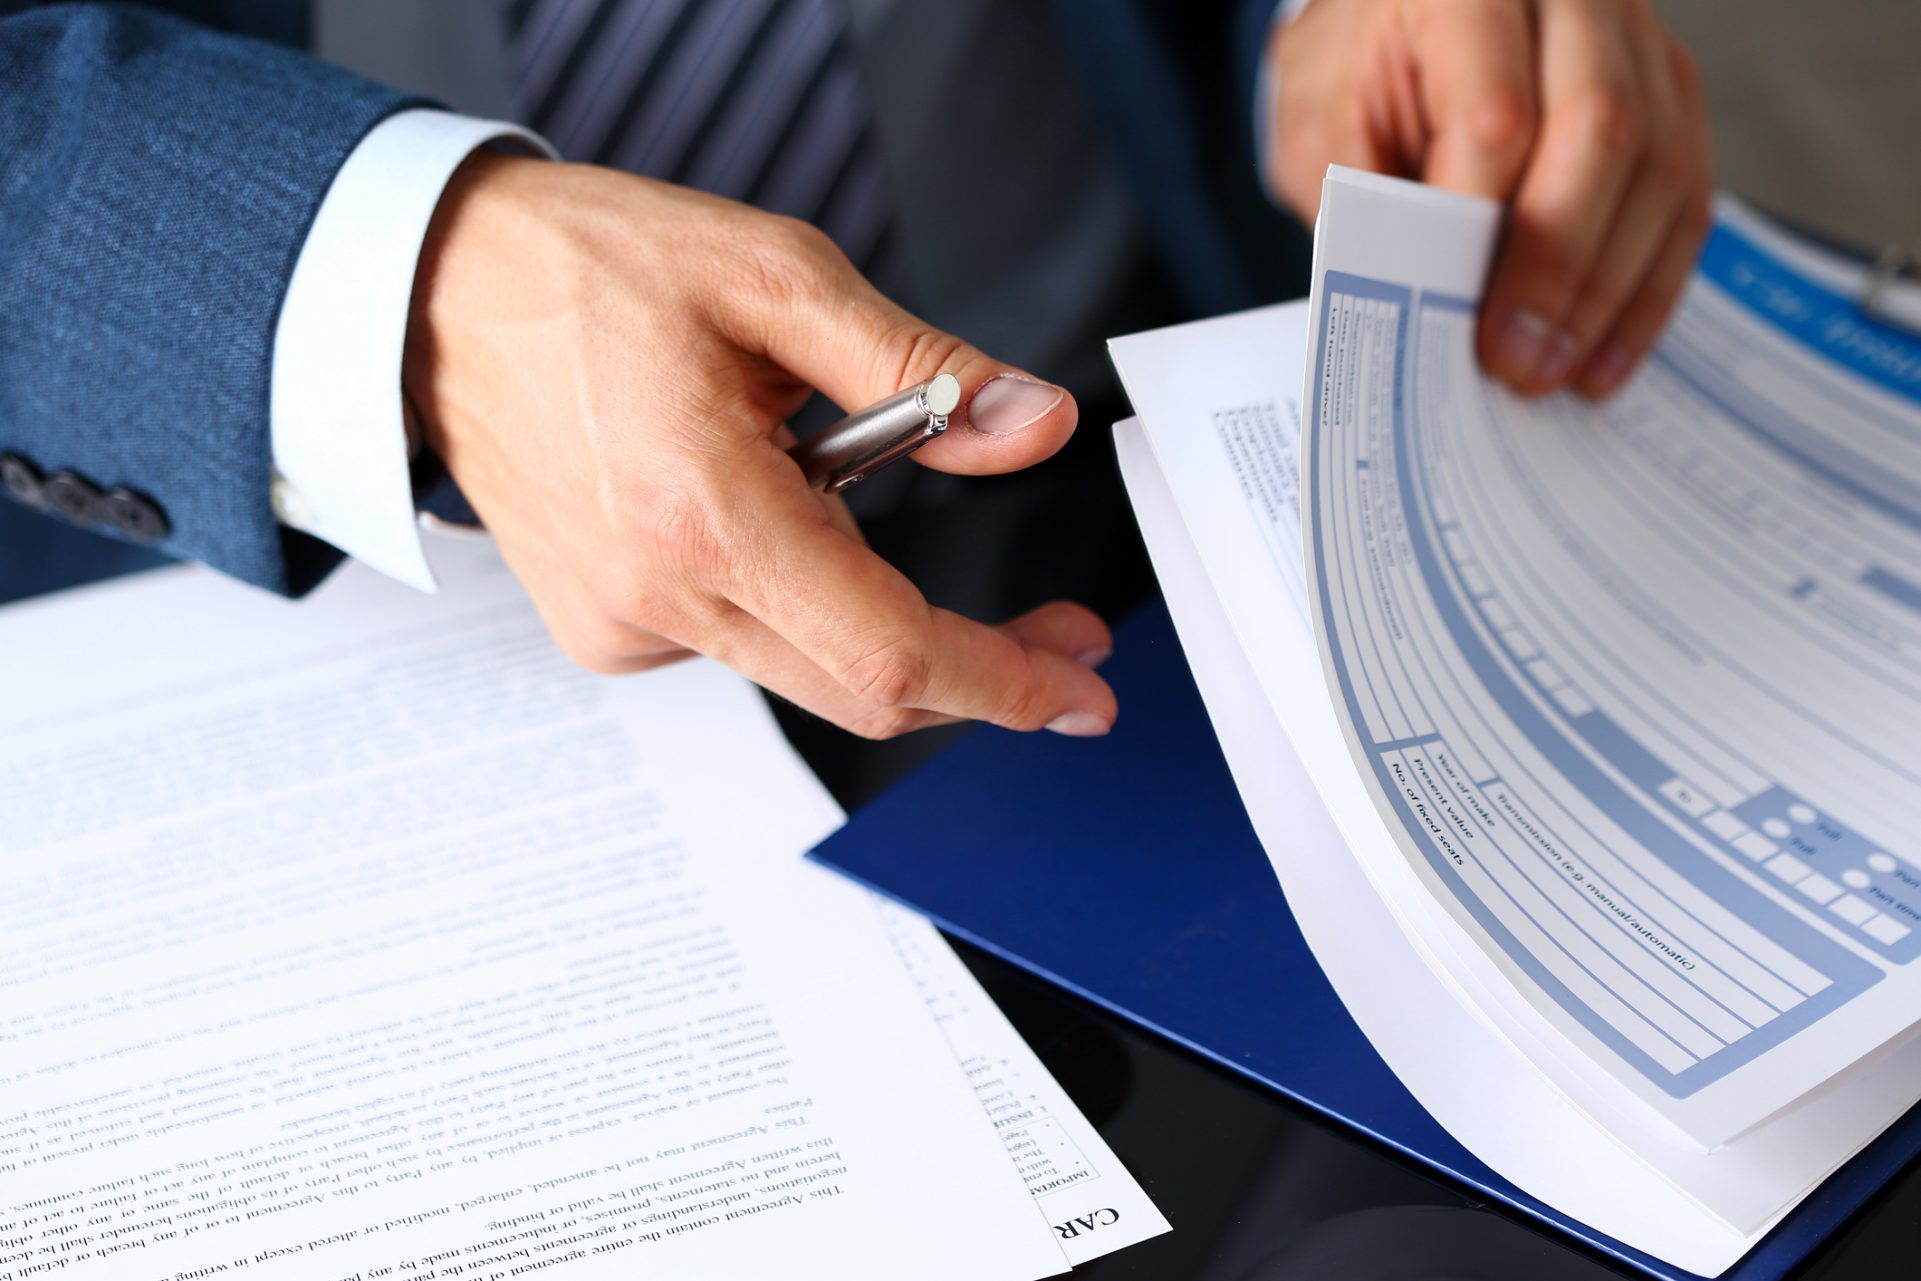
(157, 180)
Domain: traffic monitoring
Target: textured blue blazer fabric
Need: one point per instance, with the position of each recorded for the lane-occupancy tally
(157, 180)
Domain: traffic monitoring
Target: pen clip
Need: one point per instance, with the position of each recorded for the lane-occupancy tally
(891, 452)
(849, 451)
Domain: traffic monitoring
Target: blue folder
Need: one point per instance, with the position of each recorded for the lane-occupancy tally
(1125, 870)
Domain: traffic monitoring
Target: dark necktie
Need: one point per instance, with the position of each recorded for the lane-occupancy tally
(756, 100)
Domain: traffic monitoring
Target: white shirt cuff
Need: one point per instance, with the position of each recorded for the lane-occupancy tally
(337, 420)
(1267, 99)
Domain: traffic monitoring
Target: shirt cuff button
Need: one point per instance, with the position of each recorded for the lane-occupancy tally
(290, 505)
(23, 480)
(134, 515)
(73, 498)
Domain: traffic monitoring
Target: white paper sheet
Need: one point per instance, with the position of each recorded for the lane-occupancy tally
(1089, 1201)
(1501, 1110)
(366, 937)
(1636, 690)
(1220, 402)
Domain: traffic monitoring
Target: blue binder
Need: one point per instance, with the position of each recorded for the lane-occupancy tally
(1125, 870)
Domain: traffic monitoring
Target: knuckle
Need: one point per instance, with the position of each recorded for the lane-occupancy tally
(663, 658)
(631, 596)
(1612, 119)
(680, 523)
(1500, 122)
(882, 723)
(891, 675)
(786, 258)
(1670, 168)
(913, 351)
(810, 249)
(621, 590)
(1027, 701)
(683, 536)
(595, 650)
(801, 238)
(1022, 709)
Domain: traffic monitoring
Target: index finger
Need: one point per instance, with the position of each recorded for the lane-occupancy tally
(860, 620)
(1593, 132)
(1477, 89)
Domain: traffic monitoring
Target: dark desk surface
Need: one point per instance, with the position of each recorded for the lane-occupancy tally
(1260, 1190)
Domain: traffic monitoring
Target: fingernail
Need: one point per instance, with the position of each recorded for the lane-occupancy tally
(1007, 403)
(1607, 371)
(1093, 657)
(1562, 352)
(1521, 343)
(1079, 725)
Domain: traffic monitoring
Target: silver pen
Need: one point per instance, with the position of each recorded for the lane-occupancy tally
(849, 451)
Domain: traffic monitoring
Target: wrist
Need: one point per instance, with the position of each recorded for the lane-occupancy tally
(459, 281)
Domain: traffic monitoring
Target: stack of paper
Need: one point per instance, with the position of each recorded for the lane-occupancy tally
(1582, 739)
(367, 937)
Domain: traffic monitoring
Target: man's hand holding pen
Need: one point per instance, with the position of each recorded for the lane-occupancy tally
(606, 364)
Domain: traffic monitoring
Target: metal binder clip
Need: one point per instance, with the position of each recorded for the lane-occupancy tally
(1894, 263)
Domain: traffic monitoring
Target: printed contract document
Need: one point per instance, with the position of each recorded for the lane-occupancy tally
(1617, 709)
(367, 937)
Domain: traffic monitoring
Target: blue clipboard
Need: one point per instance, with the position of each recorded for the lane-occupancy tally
(1125, 870)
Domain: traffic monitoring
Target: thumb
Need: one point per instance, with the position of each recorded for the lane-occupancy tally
(851, 344)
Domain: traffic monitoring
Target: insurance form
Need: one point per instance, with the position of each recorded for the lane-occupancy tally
(1213, 469)
(1637, 690)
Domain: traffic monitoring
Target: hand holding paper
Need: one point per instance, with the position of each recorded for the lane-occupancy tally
(1622, 702)
(1585, 118)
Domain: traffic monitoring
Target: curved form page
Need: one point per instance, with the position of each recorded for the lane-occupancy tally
(1220, 429)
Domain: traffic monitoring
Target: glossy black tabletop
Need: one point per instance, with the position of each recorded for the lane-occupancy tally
(1259, 1189)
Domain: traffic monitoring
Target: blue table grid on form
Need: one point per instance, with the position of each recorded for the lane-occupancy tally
(1686, 979)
